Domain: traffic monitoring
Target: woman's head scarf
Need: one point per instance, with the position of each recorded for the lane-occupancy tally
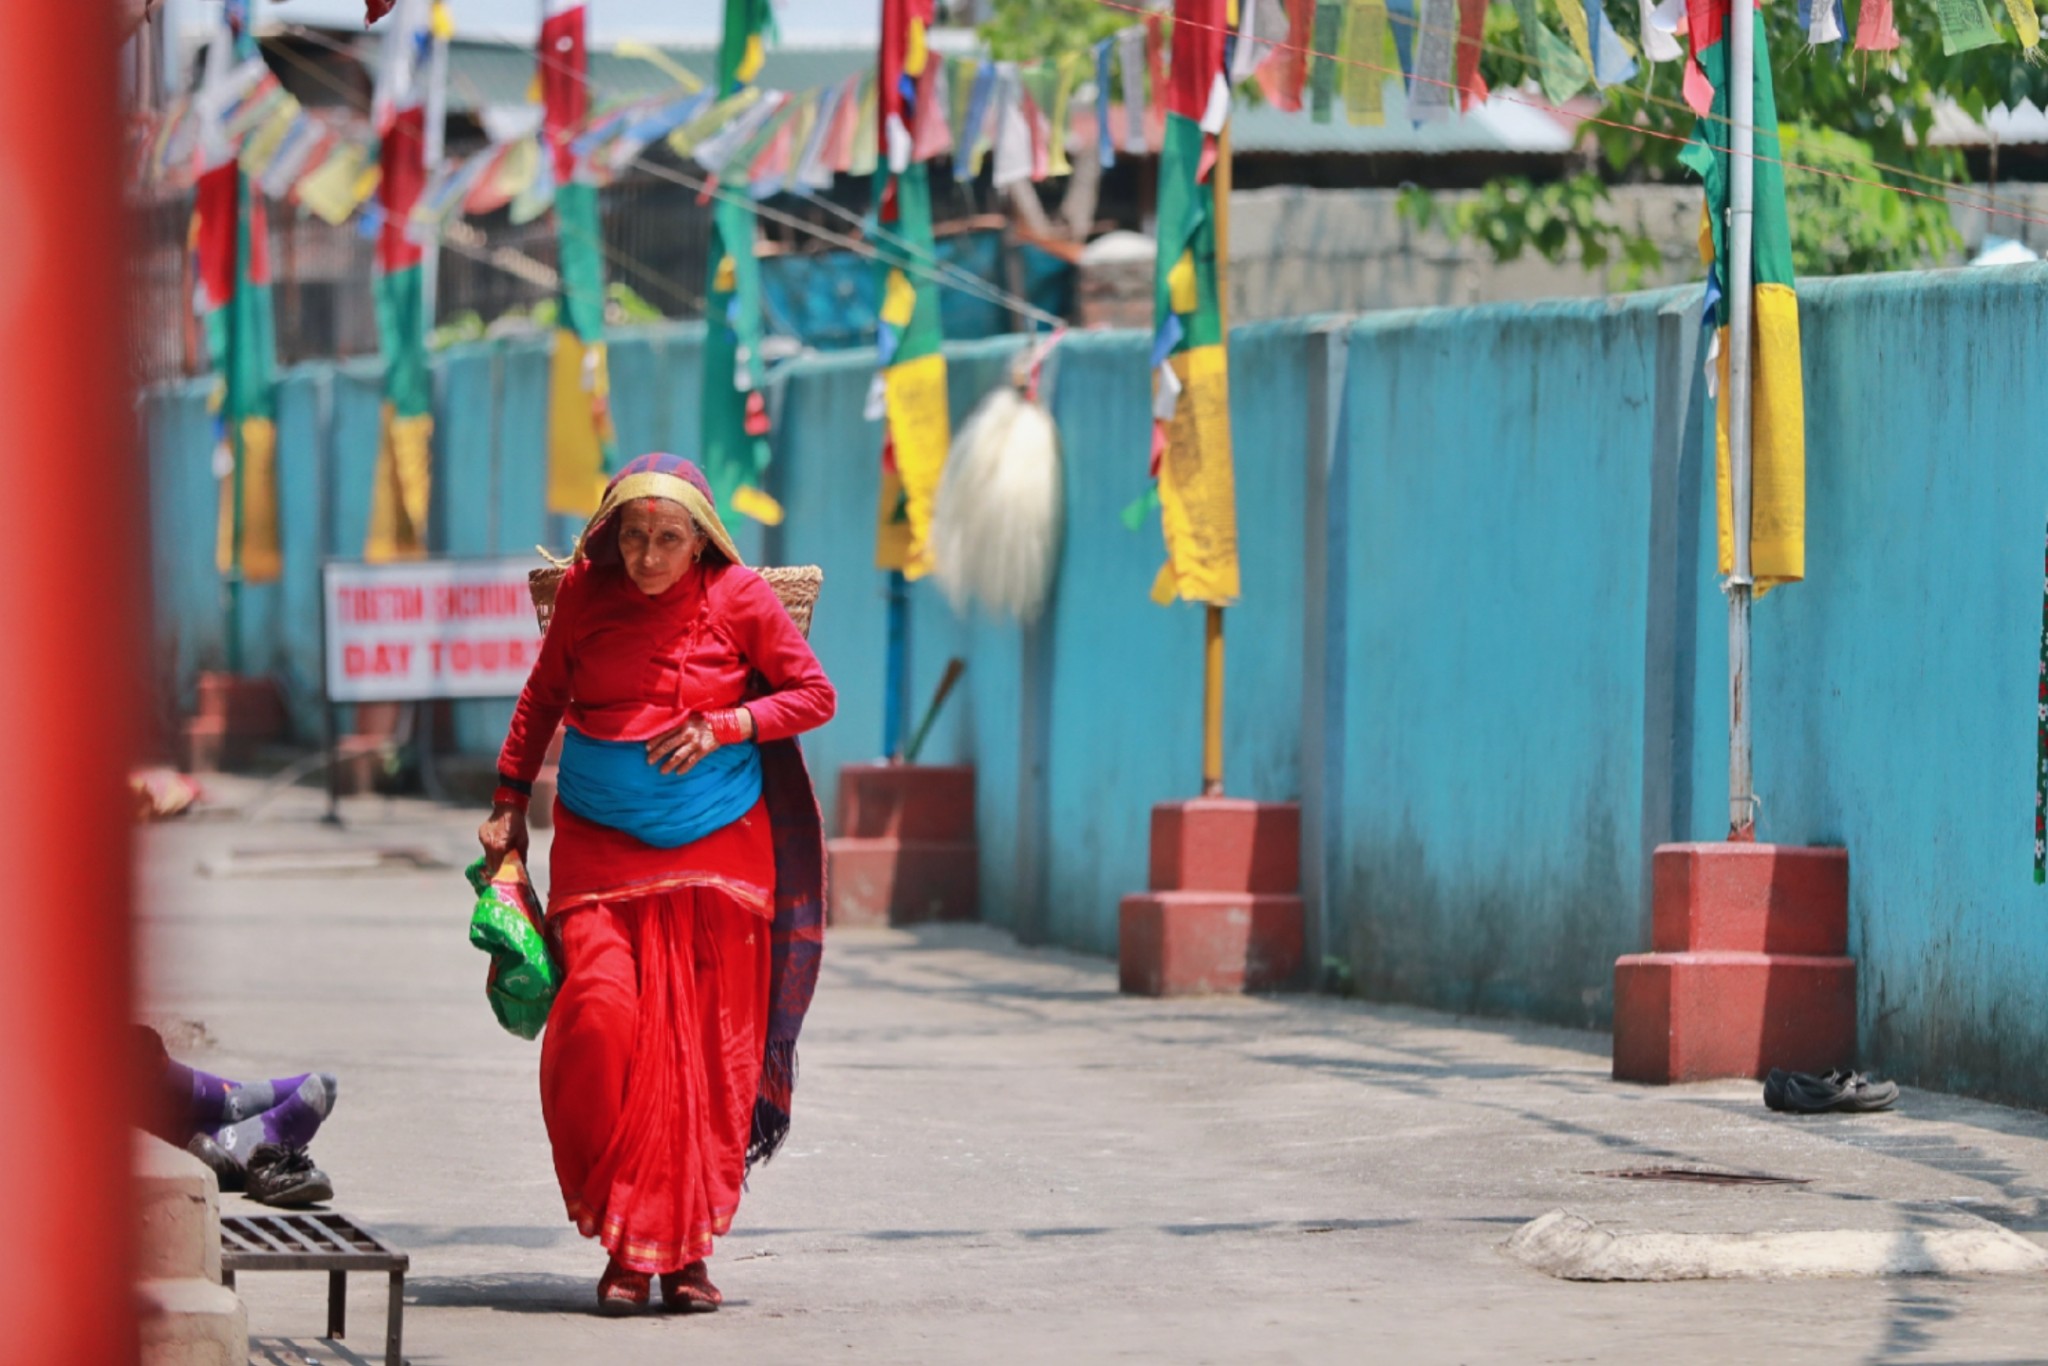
(655, 476)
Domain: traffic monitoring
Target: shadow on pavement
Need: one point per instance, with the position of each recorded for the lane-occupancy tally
(512, 1292)
(274, 1351)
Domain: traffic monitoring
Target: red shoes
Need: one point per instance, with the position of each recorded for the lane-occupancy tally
(689, 1291)
(621, 1292)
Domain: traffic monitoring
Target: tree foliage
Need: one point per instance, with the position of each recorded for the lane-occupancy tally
(1859, 172)
(1864, 191)
(1028, 30)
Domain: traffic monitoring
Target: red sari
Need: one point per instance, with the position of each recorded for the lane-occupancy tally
(653, 1052)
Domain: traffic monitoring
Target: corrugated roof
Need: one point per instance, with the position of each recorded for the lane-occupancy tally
(1497, 126)
(2008, 127)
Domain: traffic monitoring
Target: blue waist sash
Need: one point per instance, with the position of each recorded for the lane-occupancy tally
(612, 783)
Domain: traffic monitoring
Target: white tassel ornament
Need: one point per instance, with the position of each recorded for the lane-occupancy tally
(996, 526)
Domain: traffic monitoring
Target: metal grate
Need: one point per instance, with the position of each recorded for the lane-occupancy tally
(1699, 1177)
(324, 1241)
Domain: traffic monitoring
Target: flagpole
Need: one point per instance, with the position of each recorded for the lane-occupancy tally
(1212, 634)
(435, 151)
(1741, 214)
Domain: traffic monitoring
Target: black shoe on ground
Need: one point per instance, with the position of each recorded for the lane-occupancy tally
(1805, 1094)
(225, 1169)
(286, 1178)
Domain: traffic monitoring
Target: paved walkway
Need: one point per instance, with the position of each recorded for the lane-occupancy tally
(998, 1158)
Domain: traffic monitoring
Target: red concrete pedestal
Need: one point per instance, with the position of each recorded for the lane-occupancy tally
(907, 853)
(1224, 913)
(1748, 968)
(236, 715)
(363, 749)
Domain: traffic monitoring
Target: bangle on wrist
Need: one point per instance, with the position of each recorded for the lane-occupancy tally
(512, 797)
(729, 726)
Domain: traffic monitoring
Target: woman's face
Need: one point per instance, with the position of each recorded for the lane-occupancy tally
(658, 542)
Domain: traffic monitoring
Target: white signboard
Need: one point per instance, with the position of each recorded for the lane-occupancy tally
(427, 629)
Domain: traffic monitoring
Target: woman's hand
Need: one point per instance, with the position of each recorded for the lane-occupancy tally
(680, 749)
(504, 833)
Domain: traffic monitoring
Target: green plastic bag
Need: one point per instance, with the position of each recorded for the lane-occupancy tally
(508, 925)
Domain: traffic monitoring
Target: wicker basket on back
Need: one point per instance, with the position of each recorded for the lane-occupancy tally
(797, 586)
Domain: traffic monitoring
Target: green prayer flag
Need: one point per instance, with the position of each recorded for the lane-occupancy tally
(1365, 61)
(1965, 24)
(401, 312)
(1187, 238)
(582, 260)
(733, 429)
(1559, 68)
(1322, 86)
(910, 245)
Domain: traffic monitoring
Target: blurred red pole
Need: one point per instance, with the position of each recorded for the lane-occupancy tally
(71, 592)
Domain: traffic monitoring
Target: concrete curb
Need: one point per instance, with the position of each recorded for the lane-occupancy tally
(1573, 1248)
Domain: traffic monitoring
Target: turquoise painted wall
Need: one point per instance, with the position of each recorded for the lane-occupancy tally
(1498, 508)
(1497, 523)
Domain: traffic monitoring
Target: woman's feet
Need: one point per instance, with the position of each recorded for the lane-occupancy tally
(689, 1291)
(620, 1291)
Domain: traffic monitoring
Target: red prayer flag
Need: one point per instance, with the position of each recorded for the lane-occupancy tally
(1875, 31)
(1199, 28)
(1471, 35)
(216, 210)
(1041, 138)
(774, 161)
(404, 175)
(933, 134)
(565, 92)
(1704, 20)
(896, 98)
(259, 237)
(845, 128)
(1284, 69)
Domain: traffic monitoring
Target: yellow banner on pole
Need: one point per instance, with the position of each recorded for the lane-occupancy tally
(576, 409)
(921, 429)
(261, 560)
(404, 485)
(1197, 491)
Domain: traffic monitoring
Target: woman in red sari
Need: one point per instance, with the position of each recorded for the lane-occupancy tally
(685, 895)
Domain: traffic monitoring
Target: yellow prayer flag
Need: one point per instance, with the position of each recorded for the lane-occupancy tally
(916, 49)
(899, 300)
(1777, 512)
(261, 149)
(404, 484)
(261, 561)
(920, 425)
(1365, 62)
(1573, 13)
(749, 501)
(330, 190)
(661, 61)
(575, 451)
(1197, 490)
(2025, 22)
(892, 525)
(1182, 286)
(1165, 588)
